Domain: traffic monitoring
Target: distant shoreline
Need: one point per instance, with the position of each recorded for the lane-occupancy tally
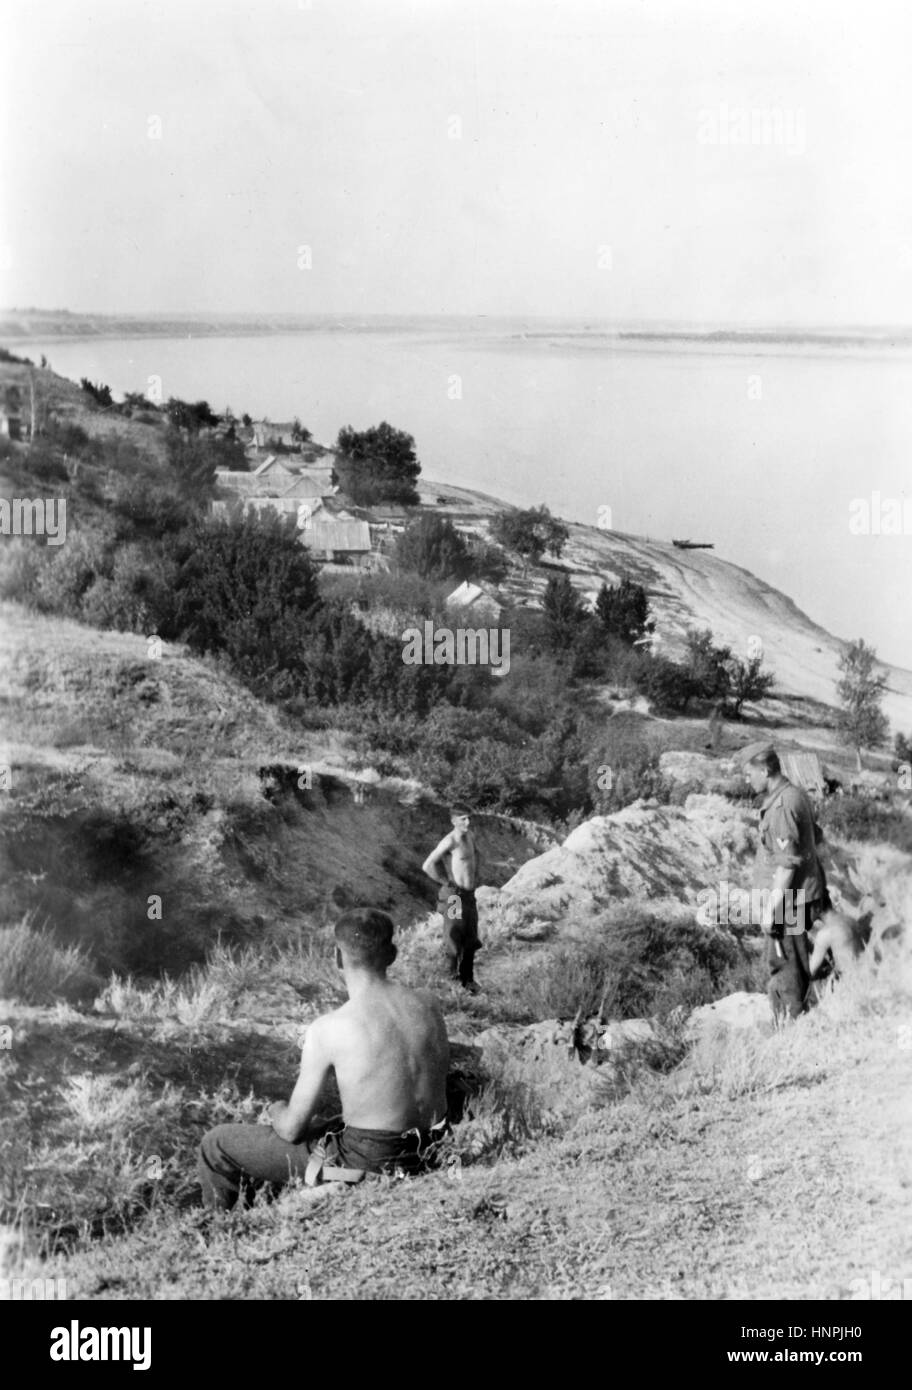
(24, 326)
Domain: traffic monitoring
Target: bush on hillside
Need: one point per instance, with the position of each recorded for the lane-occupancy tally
(487, 563)
(98, 393)
(194, 458)
(623, 972)
(623, 612)
(667, 684)
(706, 665)
(536, 688)
(432, 548)
(69, 572)
(245, 586)
(67, 435)
(147, 506)
(21, 564)
(44, 461)
(408, 597)
(191, 416)
(564, 613)
(377, 465)
(35, 970)
(529, 533)
(872, 822)
(138, 594)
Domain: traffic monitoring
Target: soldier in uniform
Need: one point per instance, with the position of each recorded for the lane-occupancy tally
(790, 879)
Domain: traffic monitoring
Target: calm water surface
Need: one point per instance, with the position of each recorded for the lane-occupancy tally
(760, 451)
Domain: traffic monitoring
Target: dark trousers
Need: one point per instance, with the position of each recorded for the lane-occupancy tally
(234, 1160)
(460, 931)
(789, 965)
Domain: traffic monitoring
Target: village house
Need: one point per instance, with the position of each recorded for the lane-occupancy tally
(311, 483)
(474, 604)
(266, 434)
(333, 540)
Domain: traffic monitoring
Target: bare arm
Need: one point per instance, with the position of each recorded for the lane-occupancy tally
(291, 1118)
(433, 866)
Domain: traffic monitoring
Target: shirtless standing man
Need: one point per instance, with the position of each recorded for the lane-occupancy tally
(388, 1047)
(454, 864)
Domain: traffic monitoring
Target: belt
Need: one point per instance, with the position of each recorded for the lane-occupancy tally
(318, 1170)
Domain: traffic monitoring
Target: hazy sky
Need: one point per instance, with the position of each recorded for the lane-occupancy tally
(574, 158)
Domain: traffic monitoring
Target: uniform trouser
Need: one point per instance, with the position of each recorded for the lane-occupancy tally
(235, 1160)
(789, 967)
(460, 931)
(790, 975)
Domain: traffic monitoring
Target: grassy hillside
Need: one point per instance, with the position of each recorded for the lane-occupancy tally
(173, 849)
(136, 775)
(740, 1167)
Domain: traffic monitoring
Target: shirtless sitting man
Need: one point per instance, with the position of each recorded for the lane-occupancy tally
(454, 865)
(388, 1046)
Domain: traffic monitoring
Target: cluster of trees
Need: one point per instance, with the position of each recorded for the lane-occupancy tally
(432, 547)
(530, 533)
(707, 672)
(377, 465)
(99, 393)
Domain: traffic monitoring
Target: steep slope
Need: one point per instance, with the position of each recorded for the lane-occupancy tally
(694, 588)
(140, 772)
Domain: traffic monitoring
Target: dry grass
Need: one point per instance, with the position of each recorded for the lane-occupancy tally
(36, 970)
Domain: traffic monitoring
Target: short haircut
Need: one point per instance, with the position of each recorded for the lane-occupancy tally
(767, 758)
(459, 810)
(366, 936)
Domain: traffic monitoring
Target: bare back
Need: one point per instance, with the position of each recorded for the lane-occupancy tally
(390, 1052)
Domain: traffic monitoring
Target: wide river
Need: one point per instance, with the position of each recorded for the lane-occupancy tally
(761, 450)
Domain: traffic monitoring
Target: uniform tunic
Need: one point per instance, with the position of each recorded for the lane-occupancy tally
(787, 841)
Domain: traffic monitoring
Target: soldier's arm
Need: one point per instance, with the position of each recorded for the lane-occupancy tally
(785, 836)
(433, 865)
(291, 1118)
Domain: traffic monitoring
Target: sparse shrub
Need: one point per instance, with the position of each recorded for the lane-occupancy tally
(902, 748)
(44, 461)
(99, 393)
(137, 596)
(63, 582)
(872, 822)
(21, 564)
(433, 548)
(530, 533)
(623, 612)
(148, 506)
(667, 684)
(194, 458)
(536, 688)
(624, 972)
(34, 969)
(518, 1102)
(487, 563)
(746, 1062)
(67, 435)
(190, 416)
